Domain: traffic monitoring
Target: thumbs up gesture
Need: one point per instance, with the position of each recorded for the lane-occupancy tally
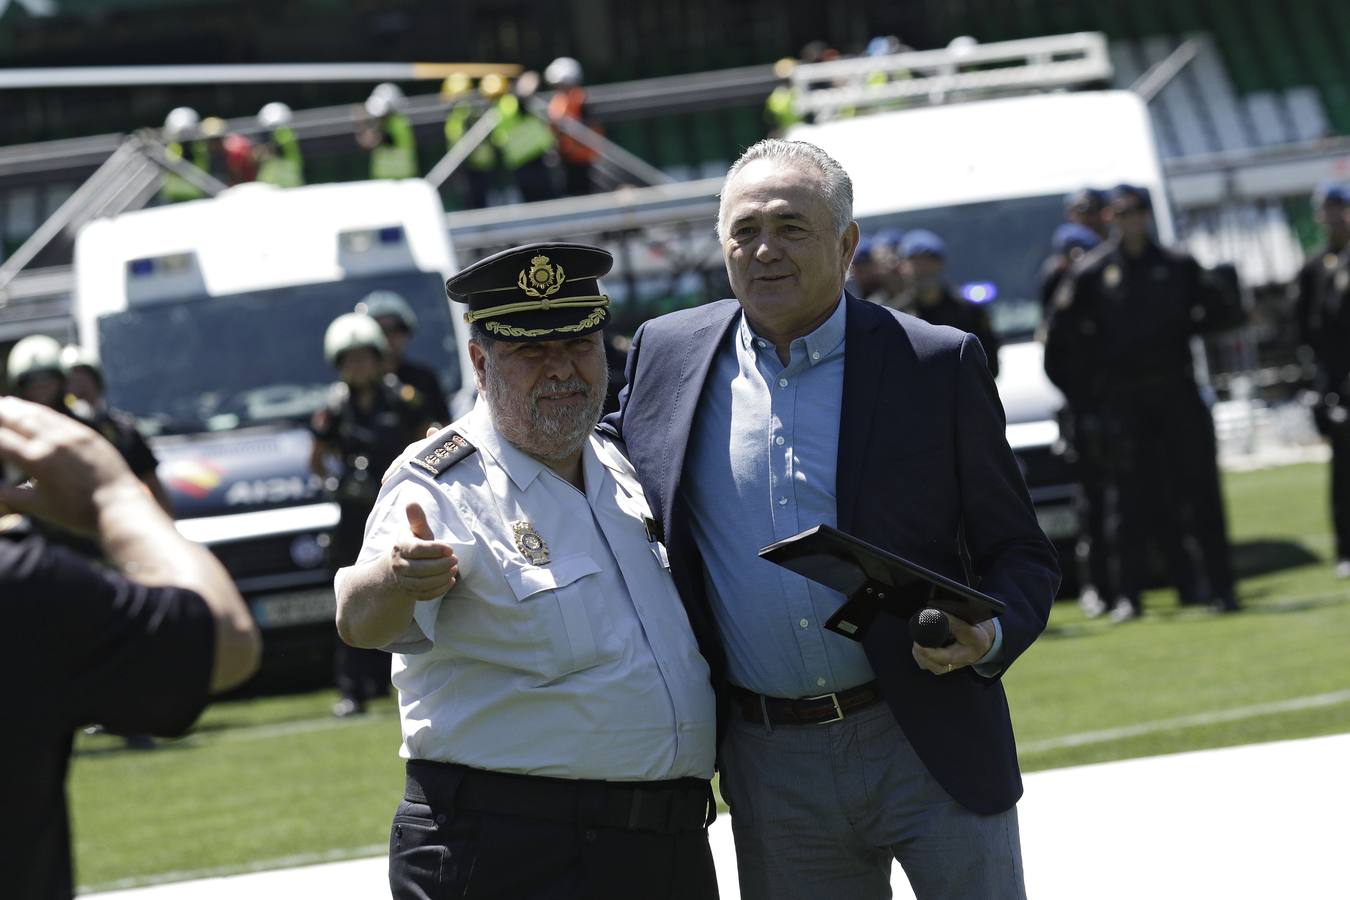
(422, 567)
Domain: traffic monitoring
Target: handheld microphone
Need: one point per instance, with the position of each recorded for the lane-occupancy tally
(929, 628)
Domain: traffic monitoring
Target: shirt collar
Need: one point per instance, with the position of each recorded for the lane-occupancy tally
(819, 344)
(482, 432)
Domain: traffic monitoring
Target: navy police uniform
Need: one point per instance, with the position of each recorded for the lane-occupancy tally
(133, 657)
(558, 720)
(367, 440)
(946, 308)
(1118, 346)
(1321, 296)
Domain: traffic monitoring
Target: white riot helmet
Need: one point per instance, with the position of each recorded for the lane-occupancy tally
(274, 115)
(349, 331)
(563, 72)
(34, 355)
(386, 97)
(179, 122)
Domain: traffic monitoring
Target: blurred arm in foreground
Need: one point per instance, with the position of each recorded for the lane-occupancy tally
(137, 648)
(81, 484)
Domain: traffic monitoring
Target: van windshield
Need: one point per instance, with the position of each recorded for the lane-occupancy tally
(217, 363)
(998, 244)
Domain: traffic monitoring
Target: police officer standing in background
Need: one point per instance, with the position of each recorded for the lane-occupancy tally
(1118, 345)
(41, 372)
(1321, 298)
(398, 322)
(927, 295)
(1098, 567)
(84, 383)
(369, 419)
(1067, 245)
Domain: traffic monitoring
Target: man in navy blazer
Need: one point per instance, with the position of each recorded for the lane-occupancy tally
(749, 420)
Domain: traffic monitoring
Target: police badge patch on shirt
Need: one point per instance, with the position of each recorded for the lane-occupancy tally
(530, 544)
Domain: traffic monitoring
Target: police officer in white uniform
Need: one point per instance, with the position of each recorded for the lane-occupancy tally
(558, 719)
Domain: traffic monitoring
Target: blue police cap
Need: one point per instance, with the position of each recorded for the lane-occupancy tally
(1132, 192)
(866, 245)
(889, 239)
(1090, 198)
(1331, 192)
(1071, 235)
(922, 242)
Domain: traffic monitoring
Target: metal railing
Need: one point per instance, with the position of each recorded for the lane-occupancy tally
(827, 89)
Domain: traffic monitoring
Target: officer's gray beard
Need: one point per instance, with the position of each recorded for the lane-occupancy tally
(547, 436)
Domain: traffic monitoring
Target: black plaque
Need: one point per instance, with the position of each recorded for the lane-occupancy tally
(874, 581)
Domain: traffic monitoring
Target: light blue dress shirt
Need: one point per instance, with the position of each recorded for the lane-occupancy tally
(781, 426)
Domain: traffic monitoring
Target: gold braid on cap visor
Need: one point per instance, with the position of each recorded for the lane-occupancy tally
(598, 301)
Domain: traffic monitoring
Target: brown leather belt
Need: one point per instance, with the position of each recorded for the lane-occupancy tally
(819, 710)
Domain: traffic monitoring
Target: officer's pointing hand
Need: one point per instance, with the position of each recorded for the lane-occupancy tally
(422, 567)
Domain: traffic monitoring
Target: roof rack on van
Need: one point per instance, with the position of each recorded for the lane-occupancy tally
(964, 70)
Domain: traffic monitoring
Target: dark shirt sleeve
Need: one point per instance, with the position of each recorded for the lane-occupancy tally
(140, 458)
(103, 649)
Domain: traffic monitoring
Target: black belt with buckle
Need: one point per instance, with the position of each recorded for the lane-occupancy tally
(819, 710)
(666, 807)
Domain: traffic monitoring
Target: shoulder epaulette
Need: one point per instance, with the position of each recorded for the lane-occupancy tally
(436, 458)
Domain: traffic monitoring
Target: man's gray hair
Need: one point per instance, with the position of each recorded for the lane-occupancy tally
(835, 183)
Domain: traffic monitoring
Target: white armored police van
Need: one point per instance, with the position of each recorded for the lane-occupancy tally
(981, 144)
(208, 317)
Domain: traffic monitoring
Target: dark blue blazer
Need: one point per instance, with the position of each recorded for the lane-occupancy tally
(924, 470)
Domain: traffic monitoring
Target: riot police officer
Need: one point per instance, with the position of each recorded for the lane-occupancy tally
(1118, 345)
(398, 322)
(85, 386)
(370, 417)
(1321, 297)
(40, 371)
(923, 257)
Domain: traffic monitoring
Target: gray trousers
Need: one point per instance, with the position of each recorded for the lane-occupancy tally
(819, 811)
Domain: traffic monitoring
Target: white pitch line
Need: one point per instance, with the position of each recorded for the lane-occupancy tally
(285, 729)
(1294, 704)
(295, 860)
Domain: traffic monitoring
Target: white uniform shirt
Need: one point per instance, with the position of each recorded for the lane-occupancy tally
(581, 666)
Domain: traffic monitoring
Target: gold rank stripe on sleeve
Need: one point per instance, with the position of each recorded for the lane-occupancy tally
(436, 459)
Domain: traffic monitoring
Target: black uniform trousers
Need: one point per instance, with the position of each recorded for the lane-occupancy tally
(1340, 488)
(1094, 552)
(462, 832)
(1168, 487)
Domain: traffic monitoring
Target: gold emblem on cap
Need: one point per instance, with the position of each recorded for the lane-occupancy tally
(530, 544)
(540, 279)
(1111, 277)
